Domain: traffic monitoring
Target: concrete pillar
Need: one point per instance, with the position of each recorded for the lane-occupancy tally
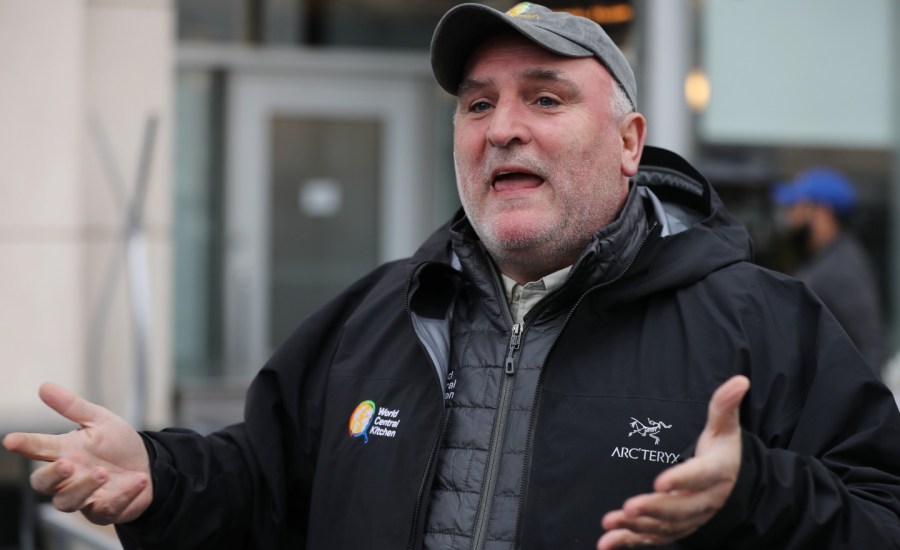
(894, 287)
(63, 64)
(41, 147)
(129, 81)
(668, 56)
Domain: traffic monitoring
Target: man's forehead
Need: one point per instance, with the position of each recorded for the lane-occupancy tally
(534, 74)
(511, 43)
(528, 61)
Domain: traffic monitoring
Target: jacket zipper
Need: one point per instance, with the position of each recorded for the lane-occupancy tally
(497, 436)
(424, 485)
(532, 423)
(515, 340)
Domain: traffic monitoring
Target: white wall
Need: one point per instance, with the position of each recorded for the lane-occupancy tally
(798, 72)
(62, 64)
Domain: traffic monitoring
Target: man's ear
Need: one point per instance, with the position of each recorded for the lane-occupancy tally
(633, 129)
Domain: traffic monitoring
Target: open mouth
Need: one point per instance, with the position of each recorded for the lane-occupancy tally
(509, 175)
(514, 180)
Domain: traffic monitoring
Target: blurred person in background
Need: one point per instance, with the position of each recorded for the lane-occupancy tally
(818, 203)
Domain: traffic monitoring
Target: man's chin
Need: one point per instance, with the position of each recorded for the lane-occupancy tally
(519, 232)
(511, 241)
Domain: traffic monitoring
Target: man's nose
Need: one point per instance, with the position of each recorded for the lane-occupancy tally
(508, 125)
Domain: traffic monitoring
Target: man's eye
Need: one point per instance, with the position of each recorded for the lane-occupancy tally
(545, 101)
(479, 106)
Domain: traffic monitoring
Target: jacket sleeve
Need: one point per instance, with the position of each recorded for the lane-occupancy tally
(248, 485)
(821, 447)
(235, 488)
(201, 492)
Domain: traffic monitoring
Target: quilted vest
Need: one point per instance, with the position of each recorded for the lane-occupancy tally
(491, 394)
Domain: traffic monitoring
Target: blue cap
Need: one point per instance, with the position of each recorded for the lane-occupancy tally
(817, 185)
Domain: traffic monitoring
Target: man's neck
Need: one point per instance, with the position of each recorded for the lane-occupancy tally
(522, 297)
(531, 273)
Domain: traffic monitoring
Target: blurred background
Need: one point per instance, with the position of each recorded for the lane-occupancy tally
(182, 181)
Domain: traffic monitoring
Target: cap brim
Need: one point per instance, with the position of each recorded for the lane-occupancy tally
(465, 27)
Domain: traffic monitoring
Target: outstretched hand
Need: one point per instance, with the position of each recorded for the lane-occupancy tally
(686, 496)
(101, 468)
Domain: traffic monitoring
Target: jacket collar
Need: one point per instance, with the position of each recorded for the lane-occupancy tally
(604, 259)
(630, 253)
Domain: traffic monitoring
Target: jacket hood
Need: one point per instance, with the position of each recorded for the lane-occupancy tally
(694, 234)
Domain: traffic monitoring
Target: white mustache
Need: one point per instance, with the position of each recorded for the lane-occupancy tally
(500, 158)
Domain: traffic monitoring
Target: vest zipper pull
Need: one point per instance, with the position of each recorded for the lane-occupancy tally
(515, 338)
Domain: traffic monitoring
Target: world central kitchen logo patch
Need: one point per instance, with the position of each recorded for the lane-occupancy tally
(370, 419)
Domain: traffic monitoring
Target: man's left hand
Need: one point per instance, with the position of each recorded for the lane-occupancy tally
(686, 496)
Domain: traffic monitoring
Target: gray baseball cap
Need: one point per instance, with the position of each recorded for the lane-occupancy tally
(466, 26)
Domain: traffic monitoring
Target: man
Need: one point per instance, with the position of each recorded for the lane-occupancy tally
(834, 264)
(539, 373)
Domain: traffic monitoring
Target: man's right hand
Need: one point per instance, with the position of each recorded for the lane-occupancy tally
(101, 468)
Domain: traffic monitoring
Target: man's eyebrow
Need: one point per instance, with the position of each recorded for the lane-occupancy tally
(469, 84)
(534, 74)
(542, 74)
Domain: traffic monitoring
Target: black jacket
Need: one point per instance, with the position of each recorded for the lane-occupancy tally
(661, 308)
(841, 275)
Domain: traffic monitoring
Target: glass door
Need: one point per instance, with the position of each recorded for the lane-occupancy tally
(323, 227)
(325, 179)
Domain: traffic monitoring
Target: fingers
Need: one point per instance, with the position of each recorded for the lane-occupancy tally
(48, 478)
(725, 405)
(623, 538)
(697, 474)
(654, 519)
(660, 515)
(70, 487)
(117, 506)
(717, 458)
(78, 489)
(69, 404)
(103, 498)
(668, 507)
(33, 446)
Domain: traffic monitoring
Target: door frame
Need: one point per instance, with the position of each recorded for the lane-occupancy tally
(394, 88)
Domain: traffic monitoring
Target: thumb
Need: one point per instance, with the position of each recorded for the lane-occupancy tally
(70, 404)
(724, 407)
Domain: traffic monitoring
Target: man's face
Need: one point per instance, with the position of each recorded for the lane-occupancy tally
(799, 214)
(800, 221)
(538, 152)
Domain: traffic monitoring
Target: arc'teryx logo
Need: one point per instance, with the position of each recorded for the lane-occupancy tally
(652, 428)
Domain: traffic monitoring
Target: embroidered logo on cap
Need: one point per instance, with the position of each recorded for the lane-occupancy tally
(520, 10)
